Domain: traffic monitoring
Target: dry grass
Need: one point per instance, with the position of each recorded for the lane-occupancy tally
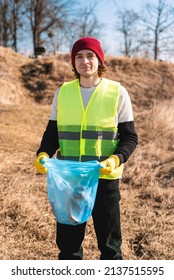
(27, 224)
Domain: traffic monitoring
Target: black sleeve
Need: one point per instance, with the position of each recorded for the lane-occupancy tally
(128, 140)
(49, 143)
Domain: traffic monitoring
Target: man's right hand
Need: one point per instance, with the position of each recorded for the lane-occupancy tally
(39, 167)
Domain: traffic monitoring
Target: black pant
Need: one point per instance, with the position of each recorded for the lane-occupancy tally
(106, 218)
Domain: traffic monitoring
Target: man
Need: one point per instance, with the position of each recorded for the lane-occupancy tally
(91, 119)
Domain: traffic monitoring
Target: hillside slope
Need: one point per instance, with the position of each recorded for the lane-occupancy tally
(145, 80)
(27, 224)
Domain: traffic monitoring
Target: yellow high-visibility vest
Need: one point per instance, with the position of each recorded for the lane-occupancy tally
(91, 133)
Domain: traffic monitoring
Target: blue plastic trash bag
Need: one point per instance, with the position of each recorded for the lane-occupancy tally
(72, 188)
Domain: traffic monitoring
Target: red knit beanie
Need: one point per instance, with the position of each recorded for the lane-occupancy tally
(87, 43)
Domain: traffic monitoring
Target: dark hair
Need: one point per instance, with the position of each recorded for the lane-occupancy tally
(101, 71)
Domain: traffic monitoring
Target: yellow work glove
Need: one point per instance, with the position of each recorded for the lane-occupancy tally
(109, 164)
(40, 168)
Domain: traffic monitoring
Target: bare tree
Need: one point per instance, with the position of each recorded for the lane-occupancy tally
(127, 25)
(5, 24)
(10, 22)
(158, 18)
(16, 10)
(46, 15)
(88, 25)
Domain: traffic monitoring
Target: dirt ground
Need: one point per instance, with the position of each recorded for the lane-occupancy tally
(27, 224)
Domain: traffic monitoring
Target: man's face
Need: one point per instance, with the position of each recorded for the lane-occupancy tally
(86, 63)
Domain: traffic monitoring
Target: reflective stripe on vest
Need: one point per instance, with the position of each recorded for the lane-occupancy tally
(88, 134)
